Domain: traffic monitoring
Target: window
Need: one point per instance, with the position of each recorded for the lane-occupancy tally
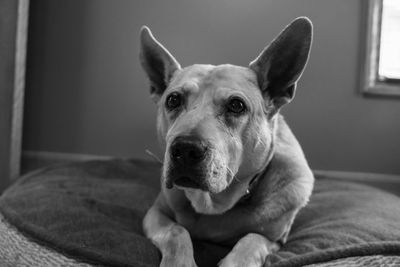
(382, 59)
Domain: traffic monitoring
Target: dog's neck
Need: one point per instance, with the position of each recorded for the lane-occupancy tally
(252, 185)
(258, 176)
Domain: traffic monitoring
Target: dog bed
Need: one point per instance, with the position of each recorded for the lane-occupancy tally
(90, 213)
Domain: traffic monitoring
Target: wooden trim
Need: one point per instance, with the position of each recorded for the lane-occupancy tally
(13, 36)
(387, 182)
(358, 176)
(32, 160)
(19, 88)
(58, 156)
(47, 157)
(371, 84)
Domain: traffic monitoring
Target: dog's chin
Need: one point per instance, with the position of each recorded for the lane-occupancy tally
(211, 185)
(187, 182)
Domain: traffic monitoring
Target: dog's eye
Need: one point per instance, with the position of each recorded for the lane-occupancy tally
(174, 100)
(236, 105)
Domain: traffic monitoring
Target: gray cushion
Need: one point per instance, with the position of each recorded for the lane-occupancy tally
(93, 211)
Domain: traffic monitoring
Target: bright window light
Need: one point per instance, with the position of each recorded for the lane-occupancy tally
(389, 56)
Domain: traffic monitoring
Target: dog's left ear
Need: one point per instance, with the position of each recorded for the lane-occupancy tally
(280, 65)
(158, 63)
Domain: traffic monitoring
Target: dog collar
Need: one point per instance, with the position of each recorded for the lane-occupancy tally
(256, 178)
(249, 190)
(254, 181)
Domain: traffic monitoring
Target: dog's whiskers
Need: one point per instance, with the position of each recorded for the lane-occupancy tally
(230, 172)
(154, 156)
(237, 179)
(259, 142)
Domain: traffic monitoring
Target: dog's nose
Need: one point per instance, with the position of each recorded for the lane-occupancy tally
(188, 150)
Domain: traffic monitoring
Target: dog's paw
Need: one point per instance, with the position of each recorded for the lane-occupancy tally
(176, 248)
(250, 251)
(233, 261)
(177, 262)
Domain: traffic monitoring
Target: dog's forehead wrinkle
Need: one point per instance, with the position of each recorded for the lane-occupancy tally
(192, 73)
(230, 76)
(190, 87)
(188, 80)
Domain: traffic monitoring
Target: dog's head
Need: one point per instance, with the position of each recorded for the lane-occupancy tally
(217, 122)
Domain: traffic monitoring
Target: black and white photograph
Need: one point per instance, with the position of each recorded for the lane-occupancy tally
(187, 133)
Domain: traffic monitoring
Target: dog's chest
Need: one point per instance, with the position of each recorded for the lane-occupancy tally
(203, 203)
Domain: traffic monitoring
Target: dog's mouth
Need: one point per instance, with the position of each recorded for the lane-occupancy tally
(208, 176)
(185, 181)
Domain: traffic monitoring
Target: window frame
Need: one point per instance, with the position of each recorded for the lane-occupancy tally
(13, 35)
(371, 83)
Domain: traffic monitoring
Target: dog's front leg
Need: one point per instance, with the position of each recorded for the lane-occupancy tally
(251, 250)
(170, 238)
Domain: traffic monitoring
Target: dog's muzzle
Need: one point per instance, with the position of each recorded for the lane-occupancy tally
(187, 154)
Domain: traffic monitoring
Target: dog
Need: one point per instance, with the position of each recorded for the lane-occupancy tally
(233, 172)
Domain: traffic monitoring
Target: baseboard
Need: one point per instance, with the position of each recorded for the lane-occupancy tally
(32, 160)
(358, 176)
(60, 156)
(36, 159)
(387, 182)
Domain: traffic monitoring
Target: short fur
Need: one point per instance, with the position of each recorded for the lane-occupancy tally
(254, 177)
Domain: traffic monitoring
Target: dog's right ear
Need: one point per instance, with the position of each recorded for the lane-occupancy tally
(280, 65)
(158, 63)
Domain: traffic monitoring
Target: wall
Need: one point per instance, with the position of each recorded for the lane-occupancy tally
(87, 94)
